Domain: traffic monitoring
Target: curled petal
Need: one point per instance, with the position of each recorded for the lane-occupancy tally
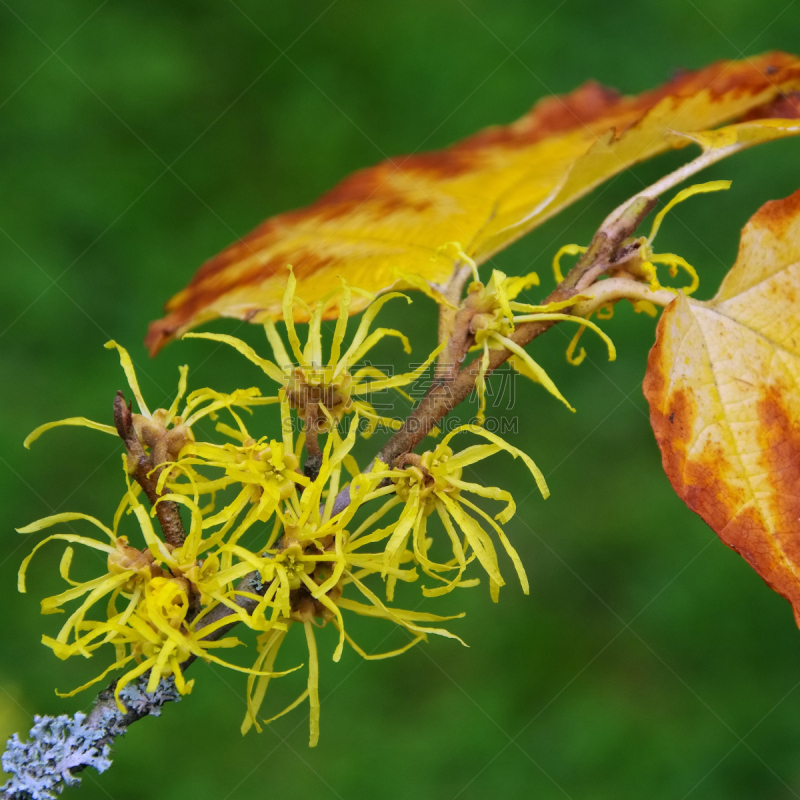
(77, 421)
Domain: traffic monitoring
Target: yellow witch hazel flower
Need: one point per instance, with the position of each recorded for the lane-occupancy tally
(496, 313)
(649, 259)
(644, 265)
(263, 471)
(307, 565)
(160, 587)
(164, 430)
(317, 389)
(434, 481)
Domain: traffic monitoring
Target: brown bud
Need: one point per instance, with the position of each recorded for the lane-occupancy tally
(122, 416)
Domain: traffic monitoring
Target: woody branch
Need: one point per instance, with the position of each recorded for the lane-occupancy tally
(608, 249)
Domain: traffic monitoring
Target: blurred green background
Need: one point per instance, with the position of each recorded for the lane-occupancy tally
(136, 140)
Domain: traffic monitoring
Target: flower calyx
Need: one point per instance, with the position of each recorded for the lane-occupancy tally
(427, 474)
(165, 443)
(302, 562)
(309, 388)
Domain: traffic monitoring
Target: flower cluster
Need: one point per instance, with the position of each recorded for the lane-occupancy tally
(253, 536)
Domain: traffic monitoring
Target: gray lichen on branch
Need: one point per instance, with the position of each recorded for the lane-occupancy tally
(59, 747)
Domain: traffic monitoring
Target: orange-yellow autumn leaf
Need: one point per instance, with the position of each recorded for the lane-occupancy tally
(420, 214)
(723, 383)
